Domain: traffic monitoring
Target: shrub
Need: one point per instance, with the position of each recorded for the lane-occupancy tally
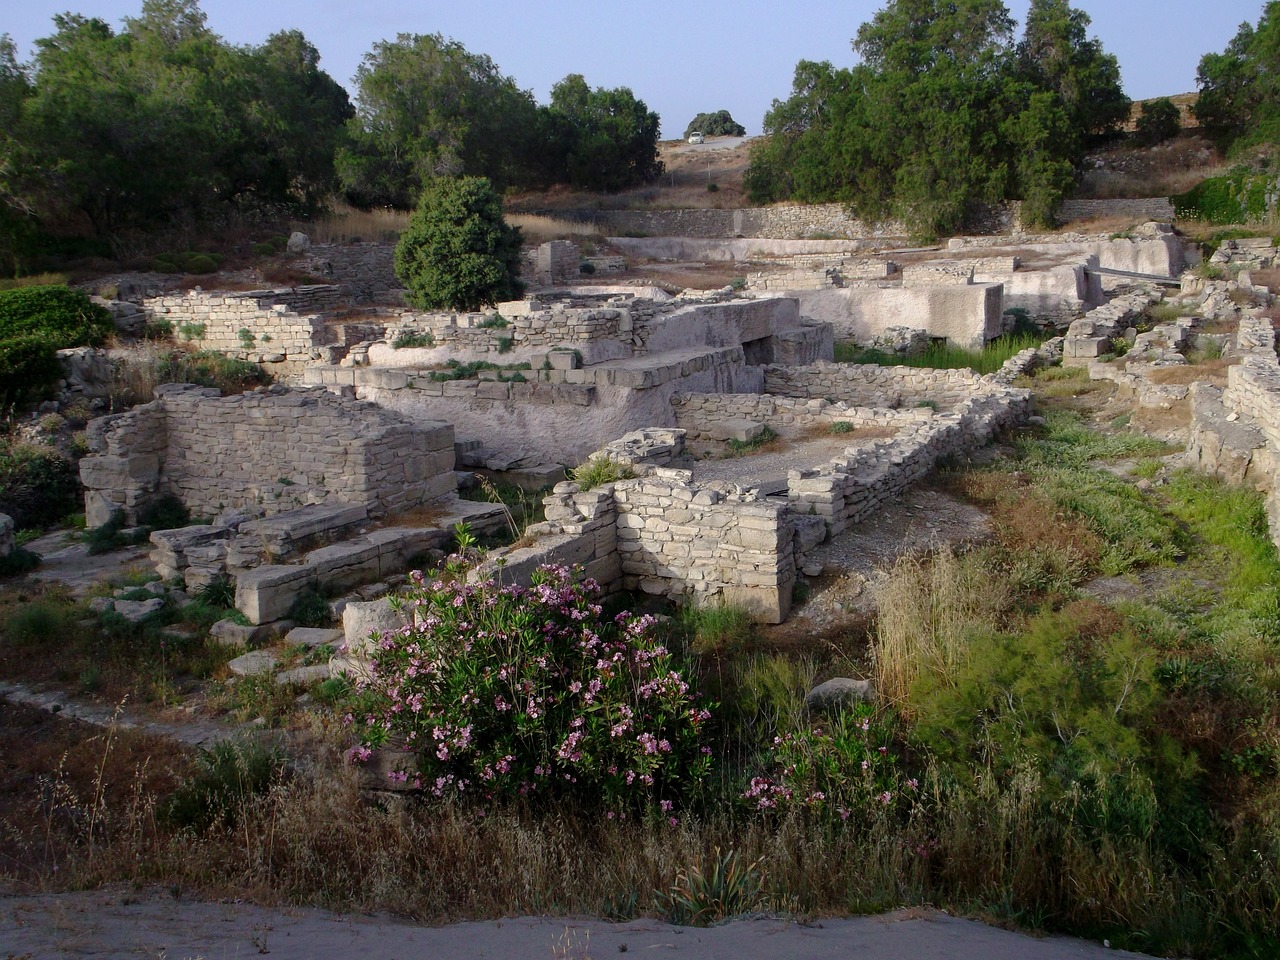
(458, 253)
(716, 628)
(495, 321)
(506, 691)
(725, 888)
(166, 512)
(64, 317)
(586, 268)
(310, 608)
(599, 471)
(201, 263)
(18, 562)
(38, 486)
(29, 368)
(408, 339)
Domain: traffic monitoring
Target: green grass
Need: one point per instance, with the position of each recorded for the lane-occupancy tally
(942, 356)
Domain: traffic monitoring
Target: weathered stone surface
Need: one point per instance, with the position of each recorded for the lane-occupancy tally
(253, 663)
(304, 675)
(840, 693)
(313, 636)
(6, 535)
(135, 610)
(298, 243)
(361, 620)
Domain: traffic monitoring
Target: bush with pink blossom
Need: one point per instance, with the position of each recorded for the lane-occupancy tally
(505, 691)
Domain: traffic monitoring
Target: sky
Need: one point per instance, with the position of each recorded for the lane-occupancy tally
(681, 58)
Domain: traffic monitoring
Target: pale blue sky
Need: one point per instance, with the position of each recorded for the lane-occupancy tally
(681, 58)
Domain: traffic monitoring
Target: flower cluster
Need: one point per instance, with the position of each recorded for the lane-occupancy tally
(842, 767)
(503, 691)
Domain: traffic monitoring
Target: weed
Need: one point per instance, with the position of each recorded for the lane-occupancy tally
(599, 471)
(494, 321)
(17, 562)
(310, 608)
(226, 776)
(942, 356)
(716, 628)
(723, 887)
(409, 339)
(738, 448)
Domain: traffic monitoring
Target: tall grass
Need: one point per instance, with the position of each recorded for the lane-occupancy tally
(926, 608)
(541, 229)
(943, 356)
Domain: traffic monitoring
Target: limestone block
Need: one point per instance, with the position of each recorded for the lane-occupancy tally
(253, 663)
(136, 610)
(304, 676)
(314, 636)
(267, 593)
(363, 620)
(743, 431)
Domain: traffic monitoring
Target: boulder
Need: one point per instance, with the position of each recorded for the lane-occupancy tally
(7, 544)
(136, 610)
(299, 242)
(839, 693)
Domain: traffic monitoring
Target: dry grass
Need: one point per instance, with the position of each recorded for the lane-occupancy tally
(538, 229)
(1208, 371)
(1132, 170)
(346, 224)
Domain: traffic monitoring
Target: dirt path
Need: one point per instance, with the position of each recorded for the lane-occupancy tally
(117, 924)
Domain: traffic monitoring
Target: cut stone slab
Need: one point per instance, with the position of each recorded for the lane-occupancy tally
(253, 663)
(313, 637)
(136, 610)
(231, 634)
(304, 675)
(744, 431)
(839, 693)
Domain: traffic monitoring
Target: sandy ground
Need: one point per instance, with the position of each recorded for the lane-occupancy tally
(112, 924)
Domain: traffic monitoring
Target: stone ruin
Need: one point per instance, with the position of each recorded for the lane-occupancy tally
(351, 477)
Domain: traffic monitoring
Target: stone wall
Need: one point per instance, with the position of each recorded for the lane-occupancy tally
(869, 385)
(1148, 208)
(272, 449)
(366, 270)
(705, 416)
(282, 324)
(852, 487)
(662, 534)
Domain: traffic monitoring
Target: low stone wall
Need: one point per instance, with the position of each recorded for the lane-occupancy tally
(1147, 208)
(273, 449)
(869, 385)
(366, 270)
(852, 487)
(704, 416)
(281, 324)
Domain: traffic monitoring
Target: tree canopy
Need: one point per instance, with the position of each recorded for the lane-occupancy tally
(943, 115)
(164, 121)
(718, 124)
(1239, 101)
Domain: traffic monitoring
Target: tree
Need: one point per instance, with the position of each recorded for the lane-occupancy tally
(942, 117)
(1056, 54)
(718, 124)
(1239, 102)
(426, 107)
(458, 253)
(1158, 120)
(611, 137)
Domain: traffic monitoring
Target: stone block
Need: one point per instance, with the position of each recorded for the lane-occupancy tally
(253, 663)
(314, 636)
(361, 620)
(267, 593)
(743, 431)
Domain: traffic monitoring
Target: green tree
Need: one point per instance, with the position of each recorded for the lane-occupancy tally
(1158, 120)
(718, 124)
(943, 116)
(1239, 102)
(17, 224)
(458, 253)
(1057, 54)
(610, 137)
(425, 108)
